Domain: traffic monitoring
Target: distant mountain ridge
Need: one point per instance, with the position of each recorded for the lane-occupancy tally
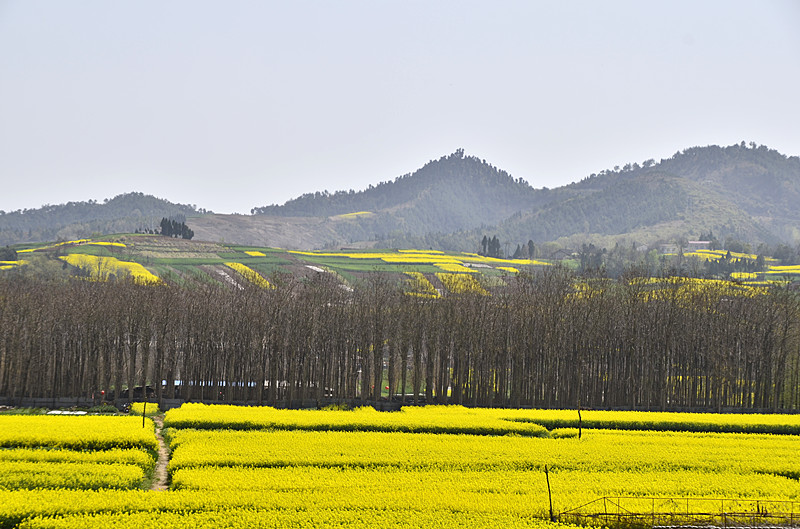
(124, 213)
(457, 187)
(750, 193)
(747, 192)
(743, 191)
(445, 195)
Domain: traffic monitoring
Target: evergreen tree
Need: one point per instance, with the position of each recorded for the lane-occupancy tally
(166, 227)
(494, 247)
(8, 254)
(174, 228)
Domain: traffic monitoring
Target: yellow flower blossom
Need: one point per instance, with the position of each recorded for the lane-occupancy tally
(102, 268)
(356, 214)
(108, 243)
(420, 286)
(250, 274)
(455, 267)
(461, 283)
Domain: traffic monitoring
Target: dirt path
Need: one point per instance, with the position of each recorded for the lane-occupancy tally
(160, 473)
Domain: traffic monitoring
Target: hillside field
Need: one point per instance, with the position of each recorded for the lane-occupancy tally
(151, 258)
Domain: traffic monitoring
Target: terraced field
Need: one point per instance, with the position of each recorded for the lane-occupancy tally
(151, 259)
(426, 273)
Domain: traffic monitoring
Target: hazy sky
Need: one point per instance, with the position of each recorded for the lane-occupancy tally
(234, 104)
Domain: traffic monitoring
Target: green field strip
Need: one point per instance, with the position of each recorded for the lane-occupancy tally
(491, 281)
(194, 261)
(397, 268)
(93, 249)
(161, 270)
(327, 259)
(256, 249)
(362, 265)
(344, 275)
(31, 246)
(167, 273)
(193, 273)
(268, 268)
(252, 261)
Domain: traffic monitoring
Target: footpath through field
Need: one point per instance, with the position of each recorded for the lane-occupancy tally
(160, 476)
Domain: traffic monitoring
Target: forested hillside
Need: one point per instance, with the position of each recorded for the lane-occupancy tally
(761, 183)
(448, 194)
(748, 193)
(123, 213)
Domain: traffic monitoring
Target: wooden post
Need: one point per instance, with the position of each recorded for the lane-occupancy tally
(579, 422)
(549, 495)
(144, 408)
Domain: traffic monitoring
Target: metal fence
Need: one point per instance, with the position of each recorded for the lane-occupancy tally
(625, 511)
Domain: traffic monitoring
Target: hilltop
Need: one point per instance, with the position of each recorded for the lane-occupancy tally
(455, 192)
(74, 220)
(747, 193)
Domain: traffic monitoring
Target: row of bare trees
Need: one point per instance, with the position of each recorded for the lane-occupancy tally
(545, 340)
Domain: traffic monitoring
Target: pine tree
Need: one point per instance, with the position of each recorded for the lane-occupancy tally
(8, 254)
(166, 227)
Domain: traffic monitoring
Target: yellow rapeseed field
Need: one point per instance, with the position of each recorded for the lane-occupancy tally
(461, 284)
(101, 268)
(107, 243)
(419, 467)
(75, 432)
(432, 257)
(420, 286)
(455, 268)
(250, 274)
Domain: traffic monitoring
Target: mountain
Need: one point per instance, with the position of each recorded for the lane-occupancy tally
(448, 194)
(74, 220)
(747, 193)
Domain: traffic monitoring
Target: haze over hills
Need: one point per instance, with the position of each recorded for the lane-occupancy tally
(745, 192)
(73, 220)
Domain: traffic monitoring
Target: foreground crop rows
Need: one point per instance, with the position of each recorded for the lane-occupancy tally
(480, 421)
(422, 467)
(51, 455)
(428, 419)
(597, 451)
(76, 432)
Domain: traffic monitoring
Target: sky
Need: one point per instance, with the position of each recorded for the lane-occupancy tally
(236, 104)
